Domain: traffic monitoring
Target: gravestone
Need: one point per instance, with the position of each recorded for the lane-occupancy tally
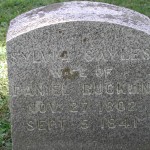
(79, 78)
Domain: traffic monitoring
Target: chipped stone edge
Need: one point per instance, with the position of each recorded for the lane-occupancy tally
(18, 27)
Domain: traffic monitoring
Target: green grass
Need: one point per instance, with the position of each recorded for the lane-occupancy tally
(5, 140)
(9, 9)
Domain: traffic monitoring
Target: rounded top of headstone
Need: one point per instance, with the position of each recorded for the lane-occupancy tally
(77, 11)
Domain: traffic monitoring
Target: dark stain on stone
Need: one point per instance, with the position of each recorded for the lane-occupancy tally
(31, 14)
(52, 7)
(110, 6)
(64, 54)
(60, 31)
(110, 16)
(89, 5)
(41, 15)
(133, 18)
(84, 40)
(138, 18)
(68, 74)
(126, 20)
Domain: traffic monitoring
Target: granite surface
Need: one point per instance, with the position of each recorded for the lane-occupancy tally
(77, 11)
(79, 78)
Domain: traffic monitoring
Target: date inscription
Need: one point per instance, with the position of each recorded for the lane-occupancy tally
(54, 107)
(51, 124)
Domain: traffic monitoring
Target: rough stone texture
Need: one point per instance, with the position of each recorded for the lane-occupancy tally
(79, 78)
(77, 11)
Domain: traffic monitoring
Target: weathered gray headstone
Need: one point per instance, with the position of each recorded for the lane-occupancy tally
(79, 76)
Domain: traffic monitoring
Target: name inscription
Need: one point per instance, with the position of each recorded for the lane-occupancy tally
(49, 55)
(61, 89)
(56, 61)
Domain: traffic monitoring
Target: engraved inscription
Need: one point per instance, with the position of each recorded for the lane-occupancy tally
(84, 107)
(50, 124)
(125, 122)
(48, 55)
(99, 88)
(58, 70)
(111, 88)
(45, 124)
